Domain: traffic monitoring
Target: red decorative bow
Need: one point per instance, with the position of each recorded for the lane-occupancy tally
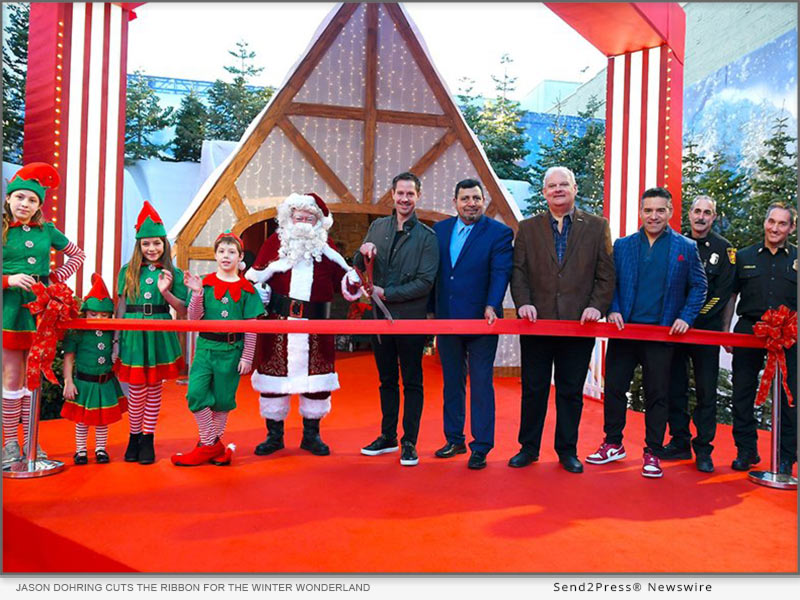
(779, 330)
(55, 306)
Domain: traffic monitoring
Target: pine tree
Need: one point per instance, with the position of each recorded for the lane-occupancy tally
(693, 166)
(190, 129)
(496, 123)
(469, 105)
(15, 67)
(499, 128)
(143, 117)
(233, 106)
(775, 180)
(730, 191)
(583, 154)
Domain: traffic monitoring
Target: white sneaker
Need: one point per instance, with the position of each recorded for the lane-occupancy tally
(40, 454)
(11, 451)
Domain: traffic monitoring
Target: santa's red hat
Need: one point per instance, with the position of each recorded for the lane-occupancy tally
(310, 202)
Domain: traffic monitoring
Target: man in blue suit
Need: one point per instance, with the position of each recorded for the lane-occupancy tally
(474, 269)
(660, 281)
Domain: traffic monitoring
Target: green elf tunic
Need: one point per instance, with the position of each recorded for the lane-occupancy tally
(26, 250)
(97, 403)
(149, 357)
(214, 376)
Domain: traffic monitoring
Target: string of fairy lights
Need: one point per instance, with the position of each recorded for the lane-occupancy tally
(401, 85)
(340, 143)
(223, 218)
(57, 125)
(276, 170)
(338, 79)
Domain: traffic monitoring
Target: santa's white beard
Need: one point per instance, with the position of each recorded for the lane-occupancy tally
(302, 241)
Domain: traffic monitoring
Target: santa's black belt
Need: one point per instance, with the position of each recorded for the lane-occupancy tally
(94, 378)
(230, 338)
(284, 306)
(147, 308)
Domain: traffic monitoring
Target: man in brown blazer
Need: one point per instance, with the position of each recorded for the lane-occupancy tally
(563, 269)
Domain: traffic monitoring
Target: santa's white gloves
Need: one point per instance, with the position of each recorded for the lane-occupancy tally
(353, 278)
(264, 291)
(255, 275)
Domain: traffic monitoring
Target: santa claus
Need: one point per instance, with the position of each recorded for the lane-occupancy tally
(297, 271)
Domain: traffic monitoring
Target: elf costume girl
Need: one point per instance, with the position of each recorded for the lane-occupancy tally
(148, 286)
(27, 240)
(92, 394)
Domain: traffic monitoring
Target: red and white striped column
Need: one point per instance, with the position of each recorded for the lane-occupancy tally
(643, 133)
(75, 120)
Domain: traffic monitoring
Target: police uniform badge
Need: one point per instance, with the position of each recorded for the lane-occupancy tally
(714, 258)
(732, 255)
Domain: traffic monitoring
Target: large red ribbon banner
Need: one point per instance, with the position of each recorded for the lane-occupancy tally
(655, 333)
(58, 309)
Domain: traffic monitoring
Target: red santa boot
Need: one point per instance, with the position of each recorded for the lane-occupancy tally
(199, 455)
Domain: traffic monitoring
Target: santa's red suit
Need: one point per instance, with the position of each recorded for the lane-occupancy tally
(298, 363)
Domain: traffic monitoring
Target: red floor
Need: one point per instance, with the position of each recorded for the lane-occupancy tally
(293, 512)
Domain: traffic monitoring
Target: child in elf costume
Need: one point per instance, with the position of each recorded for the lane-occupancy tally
(27, 240)
(148, 286)
(92, 394)
(220, 358)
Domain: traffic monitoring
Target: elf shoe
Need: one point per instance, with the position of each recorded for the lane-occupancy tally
(224, 459)
(199, 455)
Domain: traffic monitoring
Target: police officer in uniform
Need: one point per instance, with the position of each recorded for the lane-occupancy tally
(719, 258)
(766, 278)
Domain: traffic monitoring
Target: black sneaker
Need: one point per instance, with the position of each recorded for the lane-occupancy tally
(381, 445)
(674, 452)
(408, 457)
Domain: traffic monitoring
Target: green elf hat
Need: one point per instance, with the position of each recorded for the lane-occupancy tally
(35, 177)
(149, 224)
(98, 298)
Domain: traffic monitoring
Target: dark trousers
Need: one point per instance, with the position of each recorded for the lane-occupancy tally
(622, 357)
(407, 351)
(474, 354)
(539, 356)
(747, 362)
(705, 360)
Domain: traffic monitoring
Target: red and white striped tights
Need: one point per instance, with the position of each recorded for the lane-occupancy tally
(82, 435)
(144, 404)
(211, 425)
(12, 409)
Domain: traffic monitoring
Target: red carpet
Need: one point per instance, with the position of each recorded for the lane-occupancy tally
(293, 512)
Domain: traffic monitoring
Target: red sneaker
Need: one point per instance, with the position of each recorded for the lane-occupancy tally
(199, 455)
(651, 466)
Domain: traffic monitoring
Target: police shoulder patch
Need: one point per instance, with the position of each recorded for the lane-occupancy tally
(732, 255)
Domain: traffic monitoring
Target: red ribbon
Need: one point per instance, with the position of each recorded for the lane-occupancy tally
(56, 307)
(779, 330)
(653, 333)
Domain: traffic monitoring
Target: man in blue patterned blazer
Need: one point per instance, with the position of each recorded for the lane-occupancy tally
(660, 281)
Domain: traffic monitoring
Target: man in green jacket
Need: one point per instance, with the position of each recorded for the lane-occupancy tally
(406, 259)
